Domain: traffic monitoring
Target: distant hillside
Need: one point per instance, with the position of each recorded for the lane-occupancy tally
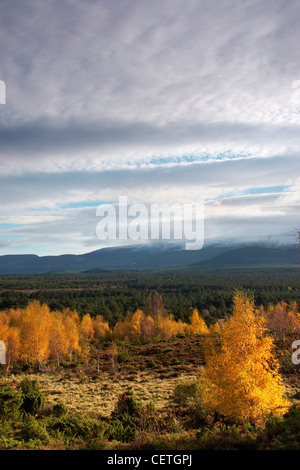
(150, 257)
(251, 256)
(130, 257)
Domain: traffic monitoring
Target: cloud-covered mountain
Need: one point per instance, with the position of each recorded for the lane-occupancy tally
(252, 256)
(152, 257)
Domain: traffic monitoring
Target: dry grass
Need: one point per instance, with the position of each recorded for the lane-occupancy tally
(98, 394)
(151, 372)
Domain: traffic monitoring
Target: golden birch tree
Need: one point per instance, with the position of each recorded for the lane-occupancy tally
(198, 325)
(86, 334)
(58, 338)
(71, 322)
(241, 379)
(34, 333)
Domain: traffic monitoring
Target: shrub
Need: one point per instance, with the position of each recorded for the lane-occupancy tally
(32, 429)
(77, 425)
(185, 393)
(33, 398)
(126, 405)
(121, 430)
(188, 395)
(123, 356)
(71, 364)
(6, 431)
(16, 369)
(284, 433)
(125, 419)
(166, 350)
(227, 437)
(10, 403)
(60, 409)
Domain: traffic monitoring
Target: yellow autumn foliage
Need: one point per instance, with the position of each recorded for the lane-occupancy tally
(241, 379)
(197, 324)
(282, 319)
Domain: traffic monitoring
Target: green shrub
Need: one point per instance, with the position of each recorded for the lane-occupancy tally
(6, 430)
(32, 429)
(10, 403)
(8, 443)
(227, 437)
(71, 364)
(17, 369)
(288, 424)
(77, 425)
(123, 356)
(60, 409)
(124, 419)
(121, 430)
(126, 405)
(284, 433)
(185, 393)
(33, 398)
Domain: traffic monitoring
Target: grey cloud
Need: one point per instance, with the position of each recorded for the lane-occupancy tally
(38, 139)
(77, 230)
(108, 85)
(160, 59)
(212, 178)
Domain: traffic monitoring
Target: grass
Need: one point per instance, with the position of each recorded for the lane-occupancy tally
(83, 395)
(151, 373)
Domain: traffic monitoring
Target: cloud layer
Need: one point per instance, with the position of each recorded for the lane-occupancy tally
(162, 101)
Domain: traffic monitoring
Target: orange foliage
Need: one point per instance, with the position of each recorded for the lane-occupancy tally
(58, 337)
(241, 380)
(36, 335)
(140, 327)
(71, 322)
(282, 319)
(101, 329)
(198, 325)
(34, 325)
(216, 328)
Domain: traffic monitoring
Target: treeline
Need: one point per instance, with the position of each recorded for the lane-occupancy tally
(274, 278)
(115, 294)
(37, 335)
(237, 402)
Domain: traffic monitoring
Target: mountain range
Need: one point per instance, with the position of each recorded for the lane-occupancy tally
(153, 257)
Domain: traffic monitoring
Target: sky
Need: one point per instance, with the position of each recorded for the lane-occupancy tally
(161, 101)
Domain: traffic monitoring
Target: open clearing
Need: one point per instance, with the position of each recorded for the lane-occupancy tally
(151, 372)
